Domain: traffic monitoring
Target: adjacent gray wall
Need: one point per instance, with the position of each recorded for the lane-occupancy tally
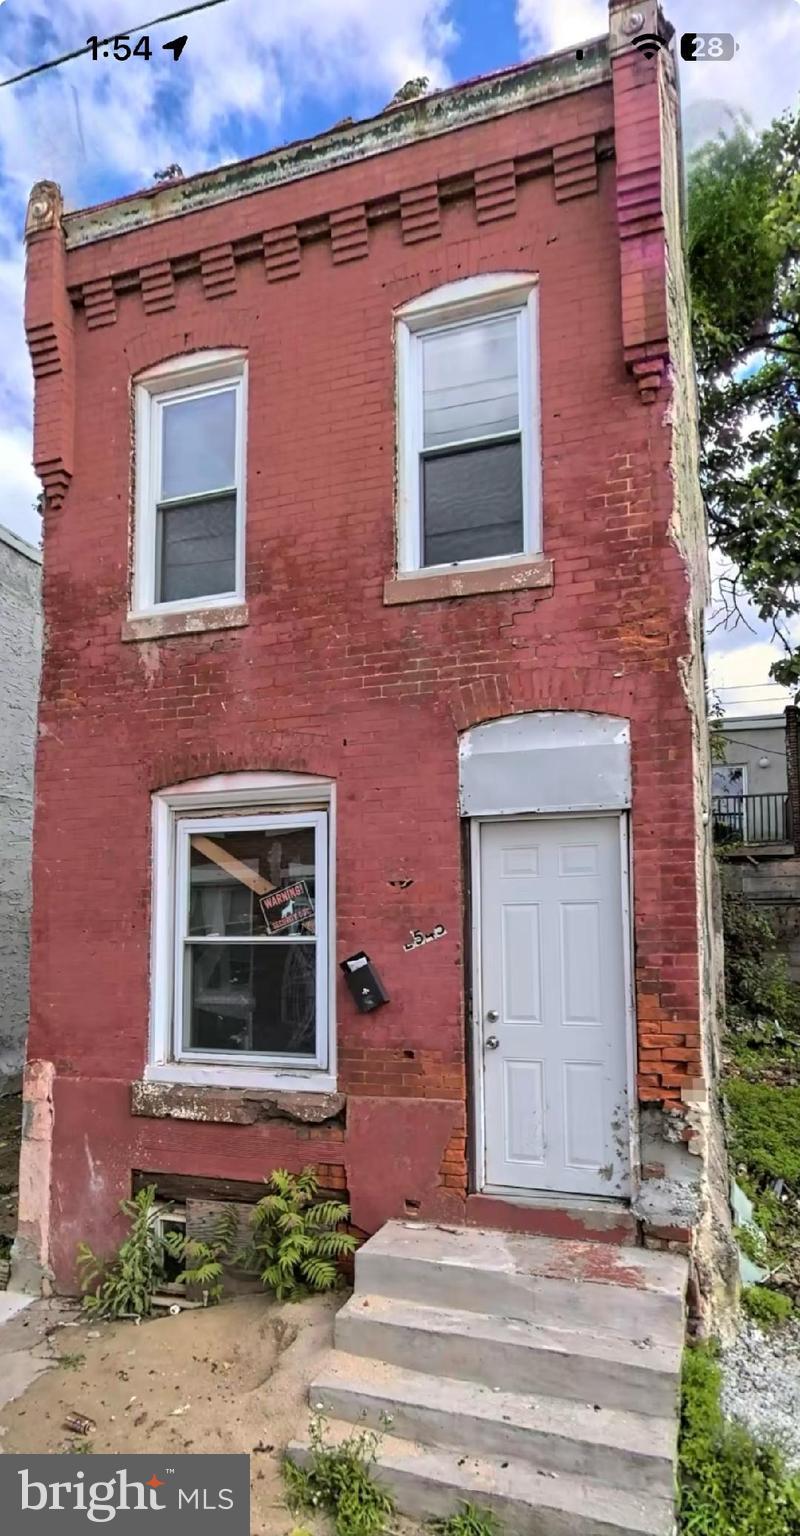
(20, 650)
(749, 743)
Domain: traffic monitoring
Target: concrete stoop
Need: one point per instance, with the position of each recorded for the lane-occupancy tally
(533, 1376)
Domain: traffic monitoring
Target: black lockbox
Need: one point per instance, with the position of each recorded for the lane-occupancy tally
(364, 982)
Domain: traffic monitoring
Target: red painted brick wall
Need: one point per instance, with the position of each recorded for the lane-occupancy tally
(328, 680)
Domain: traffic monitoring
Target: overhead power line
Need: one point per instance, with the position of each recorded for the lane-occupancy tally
(38, 69)
(732, 741)
(740, 687)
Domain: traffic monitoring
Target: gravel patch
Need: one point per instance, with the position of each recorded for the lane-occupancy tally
(761, 1386)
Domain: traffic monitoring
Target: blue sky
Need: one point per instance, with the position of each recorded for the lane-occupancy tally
(256, 73)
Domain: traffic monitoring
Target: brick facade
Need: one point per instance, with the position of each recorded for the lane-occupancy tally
(326, 677)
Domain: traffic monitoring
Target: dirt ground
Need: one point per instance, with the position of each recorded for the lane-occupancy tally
(10, 1136)
(232, 1378)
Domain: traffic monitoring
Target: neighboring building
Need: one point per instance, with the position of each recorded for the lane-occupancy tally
(756, 817)
(750, 785)
(435, 698)
(20, 653)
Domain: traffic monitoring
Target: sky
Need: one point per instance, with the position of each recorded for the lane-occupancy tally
(257, 73)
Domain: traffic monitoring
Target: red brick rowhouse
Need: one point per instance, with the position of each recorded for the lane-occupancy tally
(374, 569)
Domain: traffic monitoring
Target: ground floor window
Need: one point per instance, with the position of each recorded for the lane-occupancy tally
(245, 977)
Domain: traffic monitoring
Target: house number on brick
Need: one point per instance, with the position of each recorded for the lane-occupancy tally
(418, 937)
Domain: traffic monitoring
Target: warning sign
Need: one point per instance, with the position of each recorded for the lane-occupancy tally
(287, 907)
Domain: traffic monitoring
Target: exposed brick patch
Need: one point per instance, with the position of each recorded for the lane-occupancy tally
(419, 214)
(453, 1170)
(349, 234)
(158, 287)
(575, 168)
(282, 253)
(218, 272)
(332, 1176)
(99, 303)
(495, 192)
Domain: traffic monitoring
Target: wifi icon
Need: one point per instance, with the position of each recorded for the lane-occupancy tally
(648, 45)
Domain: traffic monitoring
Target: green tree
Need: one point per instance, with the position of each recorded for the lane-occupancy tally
(744, 262)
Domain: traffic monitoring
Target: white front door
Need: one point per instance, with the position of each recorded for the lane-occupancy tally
(552, 1039)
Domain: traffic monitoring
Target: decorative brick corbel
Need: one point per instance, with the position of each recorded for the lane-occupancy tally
(49, 328)
(218, 272)
(640, 194)
(419, 214)
(349, 234)
(575, 168)
(282, 253)
(158, 287)
(495, 192)
(99, 302)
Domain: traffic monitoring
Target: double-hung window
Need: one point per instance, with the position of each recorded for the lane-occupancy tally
(241, 939)
(468, 449)
(190, 440)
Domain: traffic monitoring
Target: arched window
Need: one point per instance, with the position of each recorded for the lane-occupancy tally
(190, 483)
(468, 424)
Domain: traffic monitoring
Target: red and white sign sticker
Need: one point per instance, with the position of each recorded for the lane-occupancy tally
(287, 907)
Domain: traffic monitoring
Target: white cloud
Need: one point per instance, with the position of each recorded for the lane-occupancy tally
(20, 485)
(102, 128)
(545, 27)
(740, 679)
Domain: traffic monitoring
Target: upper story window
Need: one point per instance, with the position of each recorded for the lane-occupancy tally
(468, 424)
(190, 456)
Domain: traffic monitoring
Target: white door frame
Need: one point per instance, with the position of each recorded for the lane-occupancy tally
(548, 1197)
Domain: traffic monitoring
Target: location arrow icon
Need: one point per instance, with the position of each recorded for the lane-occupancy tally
(177, 47)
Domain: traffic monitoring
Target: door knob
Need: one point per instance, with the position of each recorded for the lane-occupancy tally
(492, 1016)
(492, 1042)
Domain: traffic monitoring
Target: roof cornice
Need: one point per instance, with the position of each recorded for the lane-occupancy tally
(406, 123)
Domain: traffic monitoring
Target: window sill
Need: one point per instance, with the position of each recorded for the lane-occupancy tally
(220, 1101)
(528, 573)
(188, 621)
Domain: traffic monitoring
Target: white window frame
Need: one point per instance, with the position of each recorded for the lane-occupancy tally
(257, 801)
(182, 378)
(742, 768)
(473, 298)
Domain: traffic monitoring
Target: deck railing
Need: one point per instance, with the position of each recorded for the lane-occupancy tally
(753, 819)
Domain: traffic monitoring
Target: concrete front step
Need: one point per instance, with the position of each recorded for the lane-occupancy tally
(435, 1481)
(537, 1377)
(604, 1445)
(628, 1292)
(515, 1354)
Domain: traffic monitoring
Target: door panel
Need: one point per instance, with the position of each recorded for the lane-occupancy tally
(553, 1037)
